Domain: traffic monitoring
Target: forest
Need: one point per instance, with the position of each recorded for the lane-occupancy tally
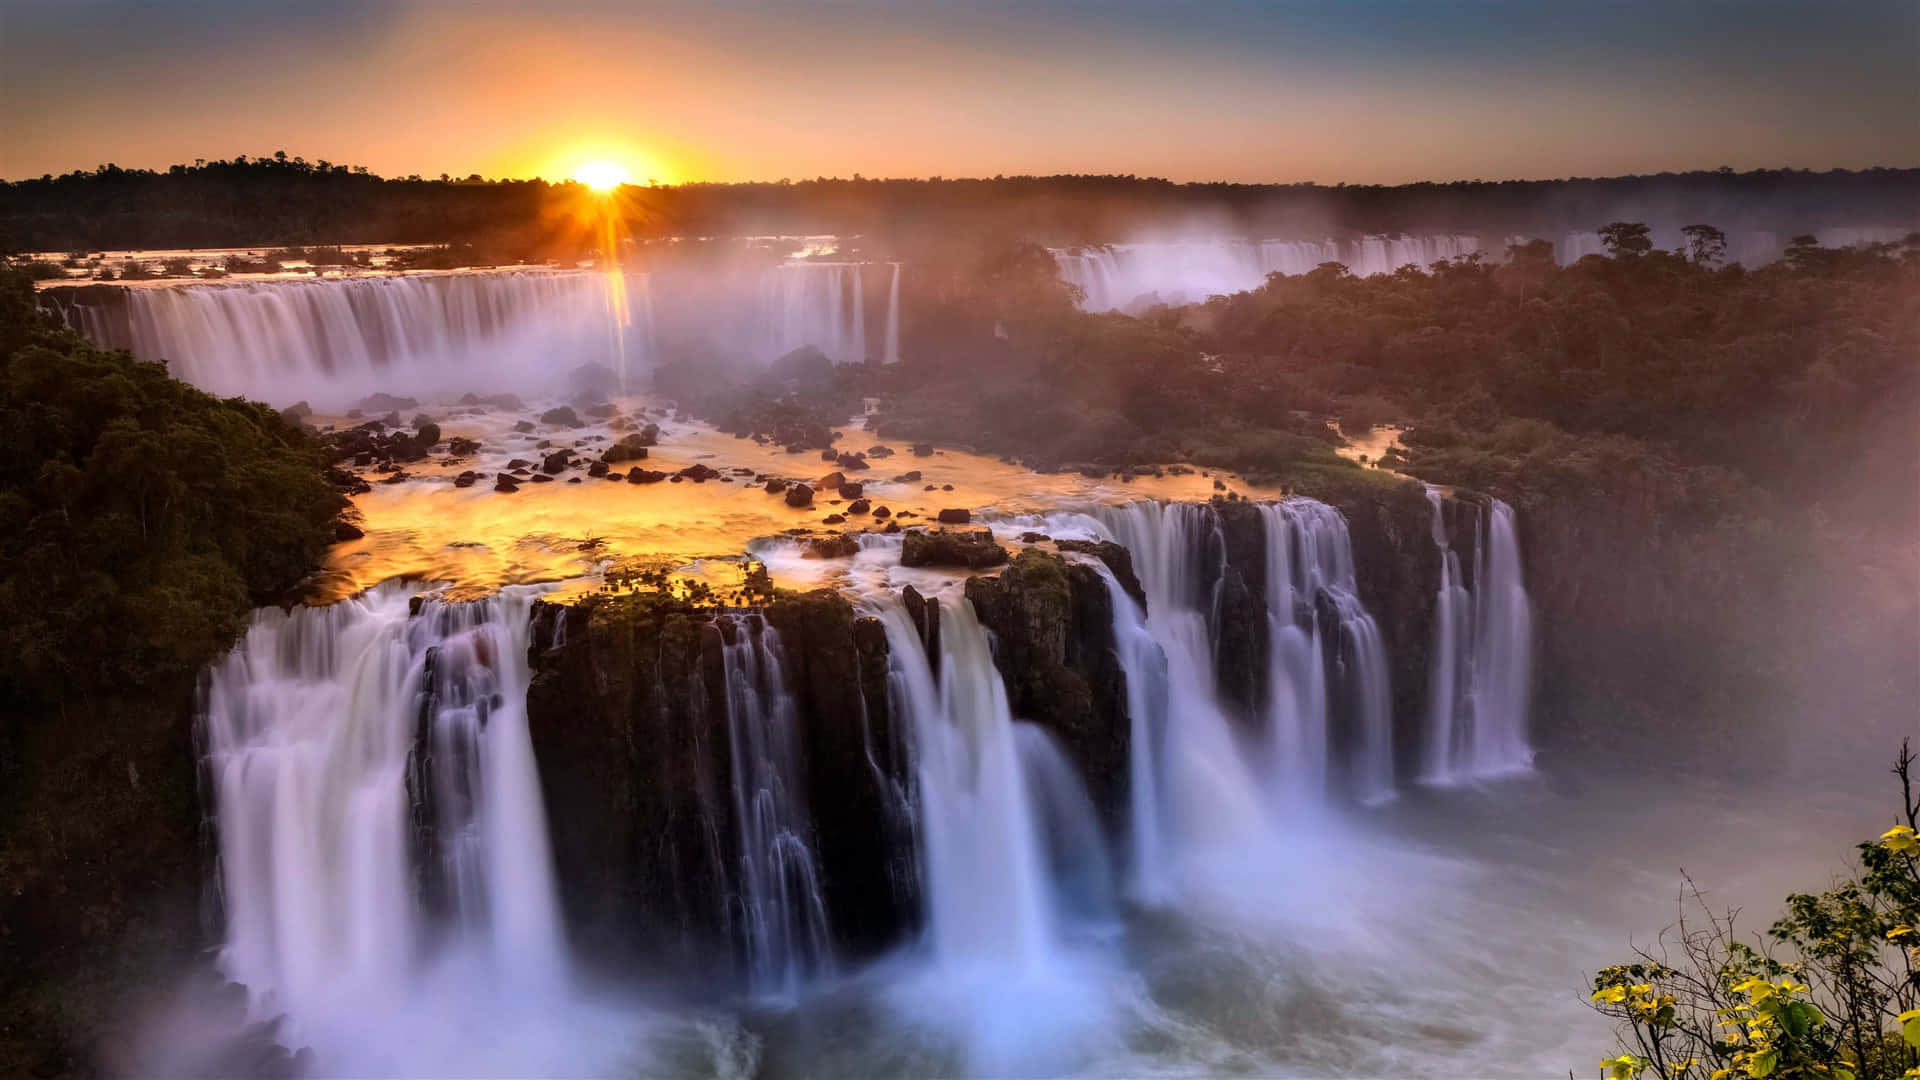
(281, 200)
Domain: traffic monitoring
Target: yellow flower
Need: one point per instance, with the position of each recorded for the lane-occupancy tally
(1900, 840)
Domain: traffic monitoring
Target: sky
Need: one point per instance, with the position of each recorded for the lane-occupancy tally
(1363, 91)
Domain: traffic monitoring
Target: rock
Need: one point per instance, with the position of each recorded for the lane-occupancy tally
(831, 481)
(879, 451)
(597, 381)
(629, 448)
(542, 478)
(958, 515)
(852, 491)
(775, 487)
(459, 446)
(858, 506)
(974, 550)
(556, 462)
(1034, 538)
(563, 416)
(882, 512)
(829, 455)
(523, 425)
(637, 475)
(799, 495)
(921, 449)
(598, 468)
(296, 412)
(344, 531)
(1052, 628)
(392, 419)
(399, 476)
(892, 527)
(505, 482)
(834, 519)
(837, 546)
(699, 473)
(1118, 559)
(946, 487)
(519, 463)
(466, 479)
(381, 403)
(851, 461)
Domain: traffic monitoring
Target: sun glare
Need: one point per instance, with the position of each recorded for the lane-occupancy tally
(602, 176)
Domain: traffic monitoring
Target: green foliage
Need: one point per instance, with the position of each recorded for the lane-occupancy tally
(140, 519)
(1843, 1003)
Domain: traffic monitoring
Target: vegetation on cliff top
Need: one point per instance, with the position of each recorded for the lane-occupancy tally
(140, 518)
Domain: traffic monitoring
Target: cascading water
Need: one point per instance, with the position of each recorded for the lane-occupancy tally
(1310, 562)
(1481, 673)
(1147, 689)
(379, 815)
(815, 303)
(983, 871)
(1114, 277)
(331, 341)
(1208, 790)
(783, 915)
(892, 355)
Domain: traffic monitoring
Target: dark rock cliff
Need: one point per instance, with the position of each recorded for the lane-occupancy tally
(1052, 626)
(627, 715)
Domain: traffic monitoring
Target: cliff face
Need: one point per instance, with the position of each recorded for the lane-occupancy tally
(1052, 626)
(627, 714)
(100, 873)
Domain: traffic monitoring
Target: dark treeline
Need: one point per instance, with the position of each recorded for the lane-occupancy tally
(281, 200)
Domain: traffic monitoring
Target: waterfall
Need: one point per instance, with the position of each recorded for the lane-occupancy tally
(377, 806)
(1208, 790)
(1481, 670)
(893, 318)
(1119, 276)
(784, 918)
(983, 875)
(332, 341)
(1147, 688)
(1310, 564)
(814, 303)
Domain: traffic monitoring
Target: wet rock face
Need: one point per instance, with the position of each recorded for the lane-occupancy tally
(946, 547)
(1052, 625)
(627, 714)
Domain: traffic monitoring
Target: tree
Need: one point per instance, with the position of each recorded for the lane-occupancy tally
(1625, 239)
(1705, 245)
(1836, 997)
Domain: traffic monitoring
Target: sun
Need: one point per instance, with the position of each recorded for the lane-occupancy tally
(602, 176)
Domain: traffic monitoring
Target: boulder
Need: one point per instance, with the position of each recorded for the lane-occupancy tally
(858, 506)
(638, 475)
(296, 412)
(630, 448)
(973, 550)
(563, 416)
(834, 519)
(958, 515)
(853, 462)
(799, 495)
(831, 481)
(556, 462)
(775, 486)
(851, 490)
(699, 473)
(382, 403)
(505, 482)
(598, 468)
(523, 425)
(466, 479)
(837, 546)
(882, 512)
(921, 449)
(459, 446)
(346, 530)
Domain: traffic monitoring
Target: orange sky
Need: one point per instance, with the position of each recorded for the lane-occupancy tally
(1367, 92)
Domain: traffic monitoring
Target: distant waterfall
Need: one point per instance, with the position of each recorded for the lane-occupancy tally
(783, 916)
(377, 804)
(333, 341)
(814, 303)
(892, 355)
(1115, 277)
(1481, 668)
